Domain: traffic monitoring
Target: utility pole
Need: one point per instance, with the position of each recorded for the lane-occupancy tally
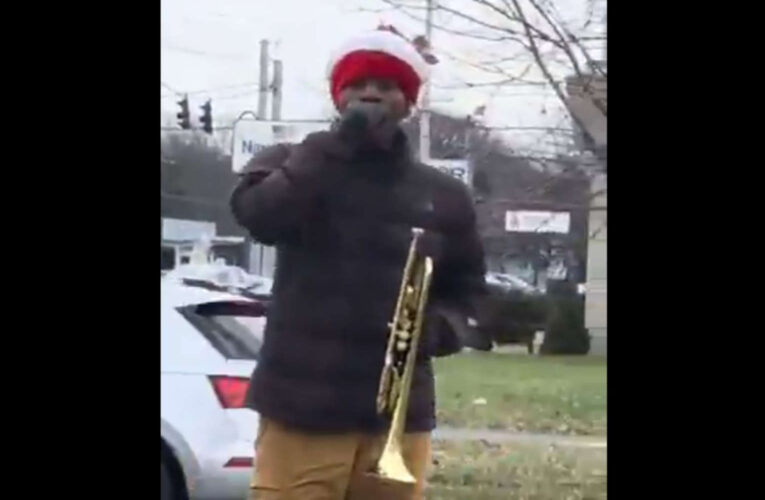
(276, 102)
(263, 87)
(425, 112)
(253, 253)
(605, 33)
(470, 153)
(267, 255)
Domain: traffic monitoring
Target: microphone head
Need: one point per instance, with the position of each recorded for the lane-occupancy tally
(354, 119)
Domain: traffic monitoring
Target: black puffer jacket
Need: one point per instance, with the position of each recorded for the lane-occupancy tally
(342, 223)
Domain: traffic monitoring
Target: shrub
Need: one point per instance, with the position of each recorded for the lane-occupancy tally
(565, 332)
(511, 317)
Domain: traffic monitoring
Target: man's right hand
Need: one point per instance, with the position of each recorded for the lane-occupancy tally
(361, 124)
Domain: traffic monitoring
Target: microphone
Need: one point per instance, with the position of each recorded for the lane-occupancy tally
(362, 122)
(354, 122)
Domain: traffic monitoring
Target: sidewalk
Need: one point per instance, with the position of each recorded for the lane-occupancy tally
(500, 436)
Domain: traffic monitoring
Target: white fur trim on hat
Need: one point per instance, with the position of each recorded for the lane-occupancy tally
(382, 41)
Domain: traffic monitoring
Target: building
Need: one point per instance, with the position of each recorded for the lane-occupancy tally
(179, 237)
(587, 100)
(196, 181)
(595, 310)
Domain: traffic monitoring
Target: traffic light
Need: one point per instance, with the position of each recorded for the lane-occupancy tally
(184, 118)
(206, 117)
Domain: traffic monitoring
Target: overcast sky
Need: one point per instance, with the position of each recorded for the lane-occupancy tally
(210, 49)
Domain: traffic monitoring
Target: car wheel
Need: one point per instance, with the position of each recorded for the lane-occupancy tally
(166, 484)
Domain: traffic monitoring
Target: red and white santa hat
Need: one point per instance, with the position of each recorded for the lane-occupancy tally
(378, 54)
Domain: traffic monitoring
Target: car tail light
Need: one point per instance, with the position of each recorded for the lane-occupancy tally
(239, 462)
(230, 390)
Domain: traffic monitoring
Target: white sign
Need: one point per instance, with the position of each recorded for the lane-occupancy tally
(458, 169)
(527, 221)
(250, 136)
(186, 230)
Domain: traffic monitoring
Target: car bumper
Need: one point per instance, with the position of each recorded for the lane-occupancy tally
(220, 479)
(225, 484)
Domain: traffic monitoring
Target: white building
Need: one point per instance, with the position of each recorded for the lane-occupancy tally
(595, 311)
(180, 235)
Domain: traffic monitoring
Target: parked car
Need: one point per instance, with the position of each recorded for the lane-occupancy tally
(211, 334)
(508, 282)
(512, 311)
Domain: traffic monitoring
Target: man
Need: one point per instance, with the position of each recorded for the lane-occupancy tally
(339, 207)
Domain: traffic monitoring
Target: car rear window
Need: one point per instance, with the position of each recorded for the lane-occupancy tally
(232, 328)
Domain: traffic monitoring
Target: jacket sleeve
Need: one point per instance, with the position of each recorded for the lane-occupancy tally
(461, 273)
(458, 285)
(280, 185)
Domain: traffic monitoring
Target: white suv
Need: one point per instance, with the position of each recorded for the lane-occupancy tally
(210, 344)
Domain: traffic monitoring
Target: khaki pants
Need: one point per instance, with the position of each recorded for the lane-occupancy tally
(293, 465)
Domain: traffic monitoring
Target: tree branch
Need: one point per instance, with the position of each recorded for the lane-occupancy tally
(396, 4)
(542, 42)
(546, 72)
(518, 19)
(578, 40)
(565, 35)
(565, 38)
(564, 44)
(492, 69)
(403, 9)
(471, 85)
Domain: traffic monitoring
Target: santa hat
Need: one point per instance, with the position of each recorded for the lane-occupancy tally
(378, 54)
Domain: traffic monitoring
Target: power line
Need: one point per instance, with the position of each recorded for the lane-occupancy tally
(541, 129)
(496, 71)
(553, 130)
(193, 199)
(559, 159)
(224, 87)
(178, 129)
(307, 121)
(201, 53)
(238, 96)
(222, 98)
(500, 83)
(219, 89)
(171, 89)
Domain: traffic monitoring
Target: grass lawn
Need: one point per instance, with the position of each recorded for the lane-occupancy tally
(524, 393)
(483, 471)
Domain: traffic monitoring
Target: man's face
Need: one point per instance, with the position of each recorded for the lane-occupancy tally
(384, 93)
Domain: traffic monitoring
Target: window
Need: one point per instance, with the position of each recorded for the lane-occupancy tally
(167, 259)
(234, 329)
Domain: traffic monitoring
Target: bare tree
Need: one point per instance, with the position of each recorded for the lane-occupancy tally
(531, 43)
(526, 33)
